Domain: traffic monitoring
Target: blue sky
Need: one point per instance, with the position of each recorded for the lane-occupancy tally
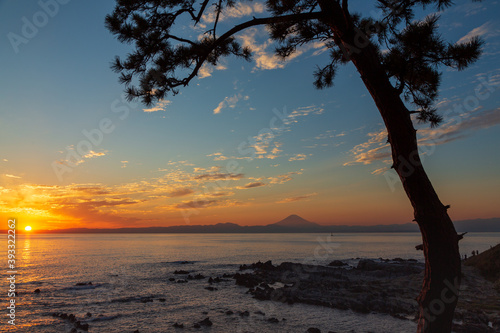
(289, 147)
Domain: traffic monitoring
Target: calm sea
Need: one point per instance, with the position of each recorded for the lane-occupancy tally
(128, 269)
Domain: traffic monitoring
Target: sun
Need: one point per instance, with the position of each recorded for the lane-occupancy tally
(28, 228)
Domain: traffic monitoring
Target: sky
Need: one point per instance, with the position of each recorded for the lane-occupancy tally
(245, 142)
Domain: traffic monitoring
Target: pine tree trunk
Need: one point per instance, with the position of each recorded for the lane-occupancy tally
(439, 294)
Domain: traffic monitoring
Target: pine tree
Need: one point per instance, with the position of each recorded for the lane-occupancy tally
(399, 58)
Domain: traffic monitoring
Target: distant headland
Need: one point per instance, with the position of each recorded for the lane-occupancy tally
(290, 224)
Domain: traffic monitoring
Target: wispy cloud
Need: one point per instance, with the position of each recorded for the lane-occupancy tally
(265, 58)
(459, 127)
(298, 157)
(297, 198)
(160, 106)
(252, 185)
(487, 30)
(93, 154)
(237, 11)
(12, 176)
(228, 102)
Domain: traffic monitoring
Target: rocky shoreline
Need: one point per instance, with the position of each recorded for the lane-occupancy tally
(373, 286)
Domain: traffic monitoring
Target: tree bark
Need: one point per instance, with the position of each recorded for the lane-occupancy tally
(439, 294)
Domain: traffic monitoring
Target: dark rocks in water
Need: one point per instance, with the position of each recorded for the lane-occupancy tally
(83, 284)
(71, 317)
(73, 330)
(181, 272)
(260, 313)
(244, 313)
(162, 299)
(171, 279)
(197, 325)
(226, 275)
(146, 300)
(37, 291)
(181, 281)
(206, 322)
(258, 265)
(211, 288)
(229, 312)
(273, 320)
(337, 263)
(248, 280)
(136, 331)
(82, 326)
(89, 314)
(177, 325)
(313, 330)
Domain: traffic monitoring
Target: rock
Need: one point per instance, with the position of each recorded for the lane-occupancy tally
(260, 313)
(83, 326)
(171, 279)
(137, 331)
(313, 330)
(206, 322)
(72, 317)
(73, 330)
(162, 299)
(89, 314)
(177, 325)
(211, 288)
(37, 291)
(83, 284)
(181, 281)
(199, 277)
(244, 314)
(337, 263)
(181, 272)
(197, 325)
(229, 312)
(273, 320)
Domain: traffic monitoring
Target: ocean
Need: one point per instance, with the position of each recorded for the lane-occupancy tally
(130, 288)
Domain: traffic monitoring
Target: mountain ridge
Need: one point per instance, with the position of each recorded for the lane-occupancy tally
(291, 224)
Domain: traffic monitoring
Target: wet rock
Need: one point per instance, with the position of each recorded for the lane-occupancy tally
(37, 291)
(229, 312)
(162, 299)
(181, 281)
(244, 314)
(83, 284)
(247, 280)
(313, 330)
(197, 325)
(206, 322)
(177, 325)
(211, 288)
(337, 263)
(273, 320)
(89, 314)
(260, 313)
(73, 330)
(171, 279)
(199, 277)
(181, 272)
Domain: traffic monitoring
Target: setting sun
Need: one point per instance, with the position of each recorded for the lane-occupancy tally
(28, 228)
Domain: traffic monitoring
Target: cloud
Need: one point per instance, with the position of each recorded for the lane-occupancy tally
(297, 198)
(180, 192)
(229, 101)
(12, 176)
(454, 128)
(124, 164)
(487, 30)
(237, 11)
(263, 52)
(160, 106)
(281, 179)
(298, 157)
(252, 185)
(93, 154)
(219, 176)
(375, 149)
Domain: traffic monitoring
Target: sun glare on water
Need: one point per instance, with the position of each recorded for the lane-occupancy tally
(28, 228)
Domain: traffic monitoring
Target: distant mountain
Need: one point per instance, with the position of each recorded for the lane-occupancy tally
(295, 221)
(291, 224)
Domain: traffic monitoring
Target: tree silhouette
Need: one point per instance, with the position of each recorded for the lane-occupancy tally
(397, 56)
